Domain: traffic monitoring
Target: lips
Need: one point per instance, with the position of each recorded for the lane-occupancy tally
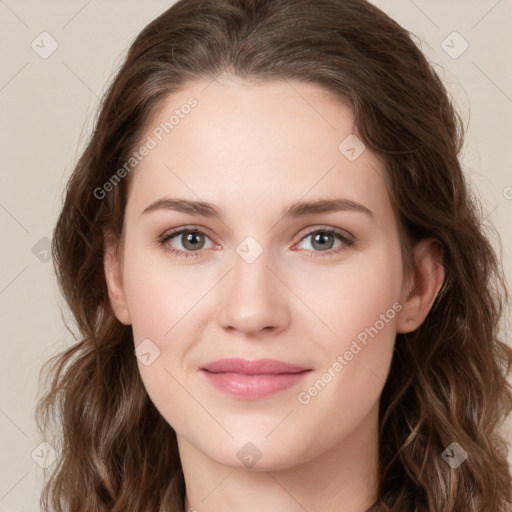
(247, 379)
(246, 367)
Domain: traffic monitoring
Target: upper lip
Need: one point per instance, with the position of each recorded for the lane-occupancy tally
(247, 367)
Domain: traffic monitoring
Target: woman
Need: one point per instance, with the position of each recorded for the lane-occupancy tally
(285, 297)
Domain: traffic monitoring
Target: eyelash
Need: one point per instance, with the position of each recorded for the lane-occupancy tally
(347, 241)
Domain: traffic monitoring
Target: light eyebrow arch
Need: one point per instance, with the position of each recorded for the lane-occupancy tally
(295, 210)
(199, 208)
(303, 208)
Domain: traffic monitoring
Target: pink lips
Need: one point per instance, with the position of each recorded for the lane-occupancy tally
(253, 379)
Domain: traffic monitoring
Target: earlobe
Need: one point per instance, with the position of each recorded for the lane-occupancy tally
(114, 278)
(419, 294)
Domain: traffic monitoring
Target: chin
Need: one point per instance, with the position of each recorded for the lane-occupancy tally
(257, 455)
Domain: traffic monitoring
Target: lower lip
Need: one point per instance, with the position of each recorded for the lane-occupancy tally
(254, 386)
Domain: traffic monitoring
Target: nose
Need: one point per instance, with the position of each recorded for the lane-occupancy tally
(253, 298)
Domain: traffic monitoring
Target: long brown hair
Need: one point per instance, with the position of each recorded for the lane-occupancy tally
(447, 381)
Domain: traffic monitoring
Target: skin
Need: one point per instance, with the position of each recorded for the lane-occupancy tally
(253, 149)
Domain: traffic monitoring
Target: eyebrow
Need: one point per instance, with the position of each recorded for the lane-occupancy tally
(295, 210)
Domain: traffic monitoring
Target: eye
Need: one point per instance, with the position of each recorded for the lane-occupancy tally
(323, 240)
(191, 240)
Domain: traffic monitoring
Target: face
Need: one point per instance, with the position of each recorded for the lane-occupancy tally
(296, 260)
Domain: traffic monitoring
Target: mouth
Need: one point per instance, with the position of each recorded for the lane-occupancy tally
(252, 380)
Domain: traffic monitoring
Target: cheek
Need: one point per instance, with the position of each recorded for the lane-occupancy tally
(157, 294)
(352, 297)
(356, 362)
(150, 308)
(360, 305)
(158, 300)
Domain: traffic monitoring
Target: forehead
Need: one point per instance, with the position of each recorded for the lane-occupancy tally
(276, 142)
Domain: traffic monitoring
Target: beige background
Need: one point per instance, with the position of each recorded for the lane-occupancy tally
(47, 107)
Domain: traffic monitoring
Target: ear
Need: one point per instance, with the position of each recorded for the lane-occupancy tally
(114, 277)
(420, 291)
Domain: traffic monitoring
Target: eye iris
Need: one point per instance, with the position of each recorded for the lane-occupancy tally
(321, 238)
(191, 238)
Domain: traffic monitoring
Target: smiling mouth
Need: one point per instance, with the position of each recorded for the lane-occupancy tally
(253, 379)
